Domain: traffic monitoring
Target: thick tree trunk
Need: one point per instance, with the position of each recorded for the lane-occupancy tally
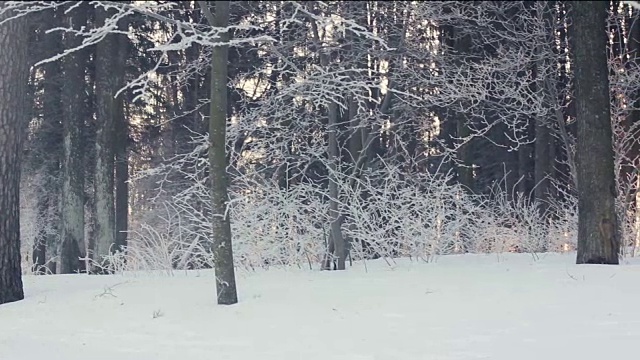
(73, 123)
(598, 241)
(221, 223)
(104, 164)
(14, 73)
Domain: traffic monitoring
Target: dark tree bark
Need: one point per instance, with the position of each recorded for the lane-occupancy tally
(73, 123)
(14, 73)
(543, 167)
(544, 141)
(221, 224)
(598, 241)
(525, 163)
(462, 45)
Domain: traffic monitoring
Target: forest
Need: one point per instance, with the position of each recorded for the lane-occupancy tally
(187, 135)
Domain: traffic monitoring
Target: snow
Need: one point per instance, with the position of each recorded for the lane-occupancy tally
(462, 307)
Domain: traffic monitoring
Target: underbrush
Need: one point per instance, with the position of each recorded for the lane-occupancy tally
(420, 220)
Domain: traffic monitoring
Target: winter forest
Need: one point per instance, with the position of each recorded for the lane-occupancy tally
(236, 140)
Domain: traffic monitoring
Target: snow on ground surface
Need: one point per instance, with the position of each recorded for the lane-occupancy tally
(462, 307)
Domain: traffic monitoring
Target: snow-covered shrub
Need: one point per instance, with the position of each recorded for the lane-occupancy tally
(28, 225)
(419, 217)
(563, 227)
(273, 226)
(385, 212)
(32, 222)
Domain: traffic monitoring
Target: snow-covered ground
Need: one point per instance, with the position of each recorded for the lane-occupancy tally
(462, 307)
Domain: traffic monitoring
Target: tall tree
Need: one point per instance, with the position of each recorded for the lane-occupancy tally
(598, 241)
(543, 168)
(337, 245)
(47, 154)
(221, 224)
(104, 236)
(14, 74)
(73, 123)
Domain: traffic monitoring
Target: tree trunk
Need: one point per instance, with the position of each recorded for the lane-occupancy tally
(14, 74)
(337, 247)
(121, 151)
(525, 163)
(104, 164)
(598, 241)
(122, 185)
(46, 153)
(340, 251)
(73, 123)
(544, 142)
(543, 169)
(463, 45)
(457, 121)
(221, 224)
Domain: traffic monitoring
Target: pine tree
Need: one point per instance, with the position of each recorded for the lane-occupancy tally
(13, 81)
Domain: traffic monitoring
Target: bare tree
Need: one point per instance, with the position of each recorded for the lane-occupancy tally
(13, 81)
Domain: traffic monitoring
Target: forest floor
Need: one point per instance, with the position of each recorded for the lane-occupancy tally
(460, 307)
